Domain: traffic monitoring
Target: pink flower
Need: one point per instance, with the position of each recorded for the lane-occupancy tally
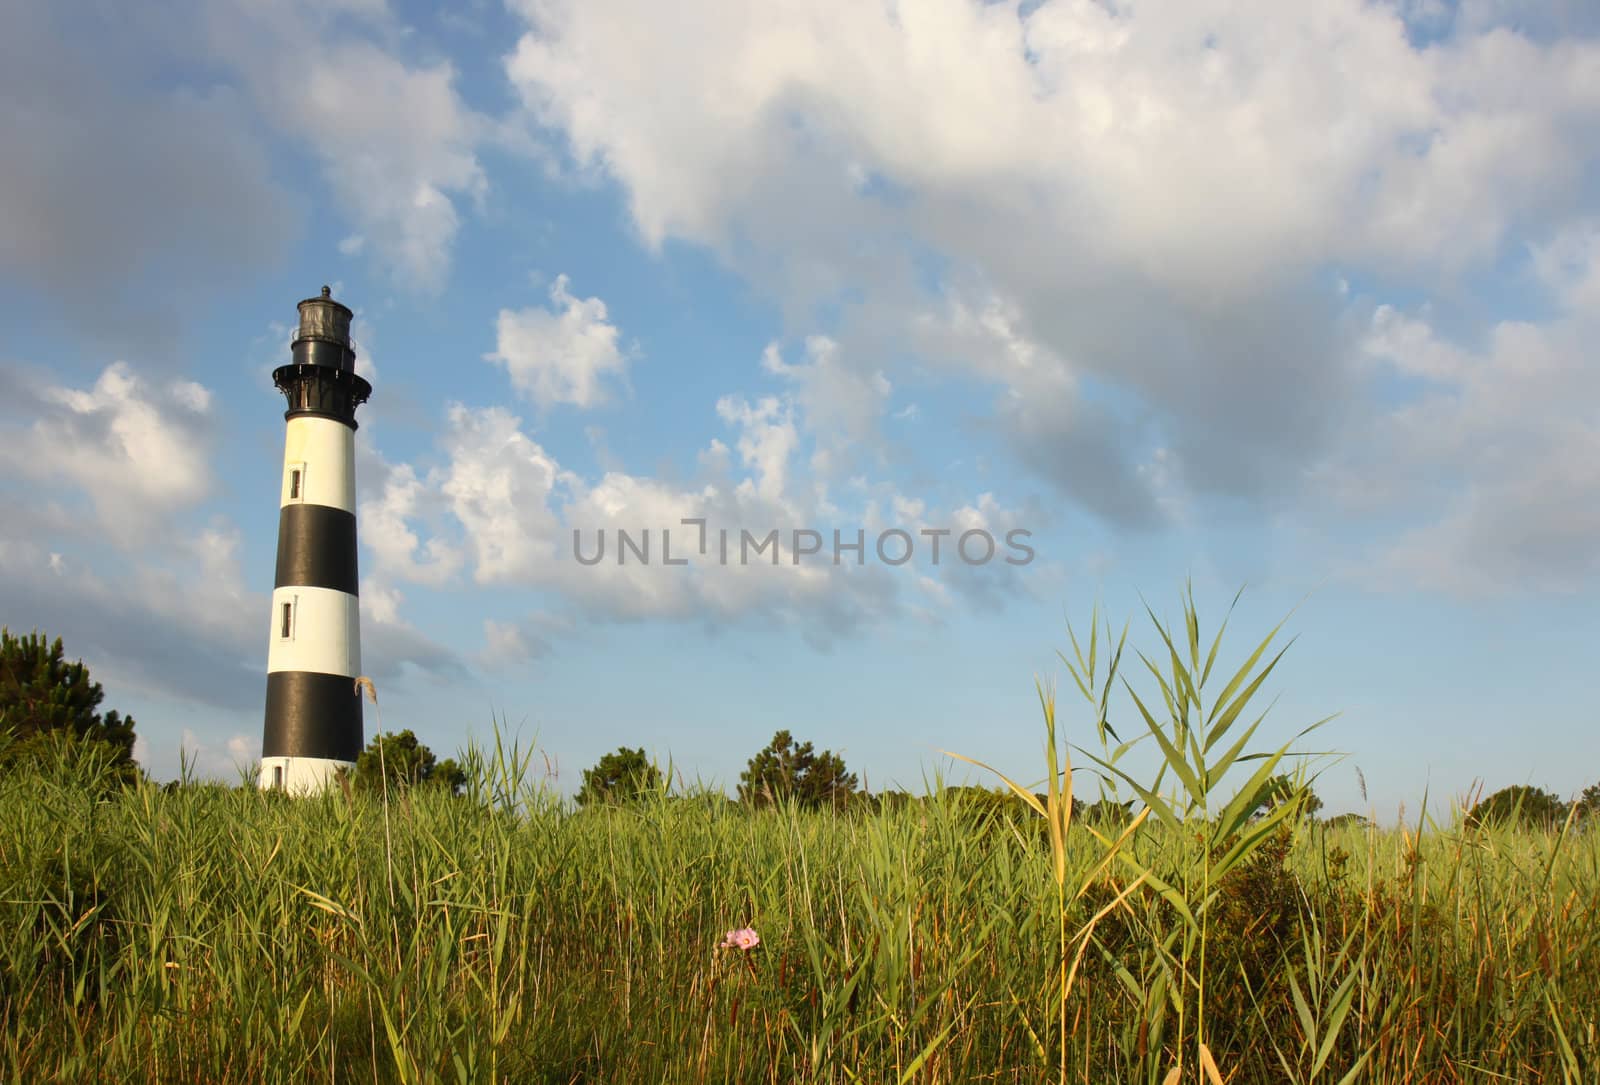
(743, 938)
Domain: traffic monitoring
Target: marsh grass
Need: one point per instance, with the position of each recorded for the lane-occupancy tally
(207, 933)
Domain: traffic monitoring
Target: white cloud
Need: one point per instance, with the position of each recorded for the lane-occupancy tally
(514, 511)
(1408, 345)
(361, 341)
(206, 762)
(1137, 208)
(1083, 115)
(1041, 411)
(176, 621)
(1568, 265)
(386, 529)
(560, 355)
(767, 440)
(397, 144)
(390, 643)
(508, 644)
(138, 451)
(1492, 466)
(841, 405)
(149, 590)
(499, 484)
(379, 602)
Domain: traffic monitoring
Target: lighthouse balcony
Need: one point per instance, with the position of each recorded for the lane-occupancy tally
(321, 390)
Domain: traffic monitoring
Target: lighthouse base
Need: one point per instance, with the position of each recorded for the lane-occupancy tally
(301, 775)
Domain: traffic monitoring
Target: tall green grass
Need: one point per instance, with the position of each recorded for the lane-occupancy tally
(207, 933)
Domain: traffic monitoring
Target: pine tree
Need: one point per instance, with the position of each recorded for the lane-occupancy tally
(46, 701)
(1522, 805)
(1589, 802)
(619, 777)
(407, 762)
(785, 771)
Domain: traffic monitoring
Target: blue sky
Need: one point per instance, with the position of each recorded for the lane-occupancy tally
(1195, 291)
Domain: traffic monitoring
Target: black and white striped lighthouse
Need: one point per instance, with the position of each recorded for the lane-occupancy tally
(313, 722)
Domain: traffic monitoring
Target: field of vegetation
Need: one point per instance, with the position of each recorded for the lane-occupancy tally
(209, 933)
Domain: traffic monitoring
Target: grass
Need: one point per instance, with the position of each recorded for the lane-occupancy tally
(206, 933)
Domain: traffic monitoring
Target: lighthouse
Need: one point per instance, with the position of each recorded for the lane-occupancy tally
(313, 717)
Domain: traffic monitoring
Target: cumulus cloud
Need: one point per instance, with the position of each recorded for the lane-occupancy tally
(1152, 199)
(508, 644)
(498, 507)
(397, 144)
(1042, 410)
(842, 404)
(386, 528)
(135, 448)
(1207, 145)
(179, 624)
(522, 520)
(1491, 462)
(767, 440)
(499, 484)
(563, 354)
(1568, 266)
(206, 760)
(150, 586)
(390, 644)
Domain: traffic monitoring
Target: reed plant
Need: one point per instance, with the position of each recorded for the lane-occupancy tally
(201, 932)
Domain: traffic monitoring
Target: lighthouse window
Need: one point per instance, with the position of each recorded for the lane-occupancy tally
(277, 777)
(294, 484)
(288, 620)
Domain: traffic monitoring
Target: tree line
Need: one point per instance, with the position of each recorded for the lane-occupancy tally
(50, 711)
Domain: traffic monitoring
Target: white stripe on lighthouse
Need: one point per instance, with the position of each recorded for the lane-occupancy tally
(322, 450)
(324, 631)
(300, 775)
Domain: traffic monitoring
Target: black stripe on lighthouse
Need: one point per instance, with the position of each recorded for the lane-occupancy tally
(311, 715)
(317, 548)
(313, 723)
